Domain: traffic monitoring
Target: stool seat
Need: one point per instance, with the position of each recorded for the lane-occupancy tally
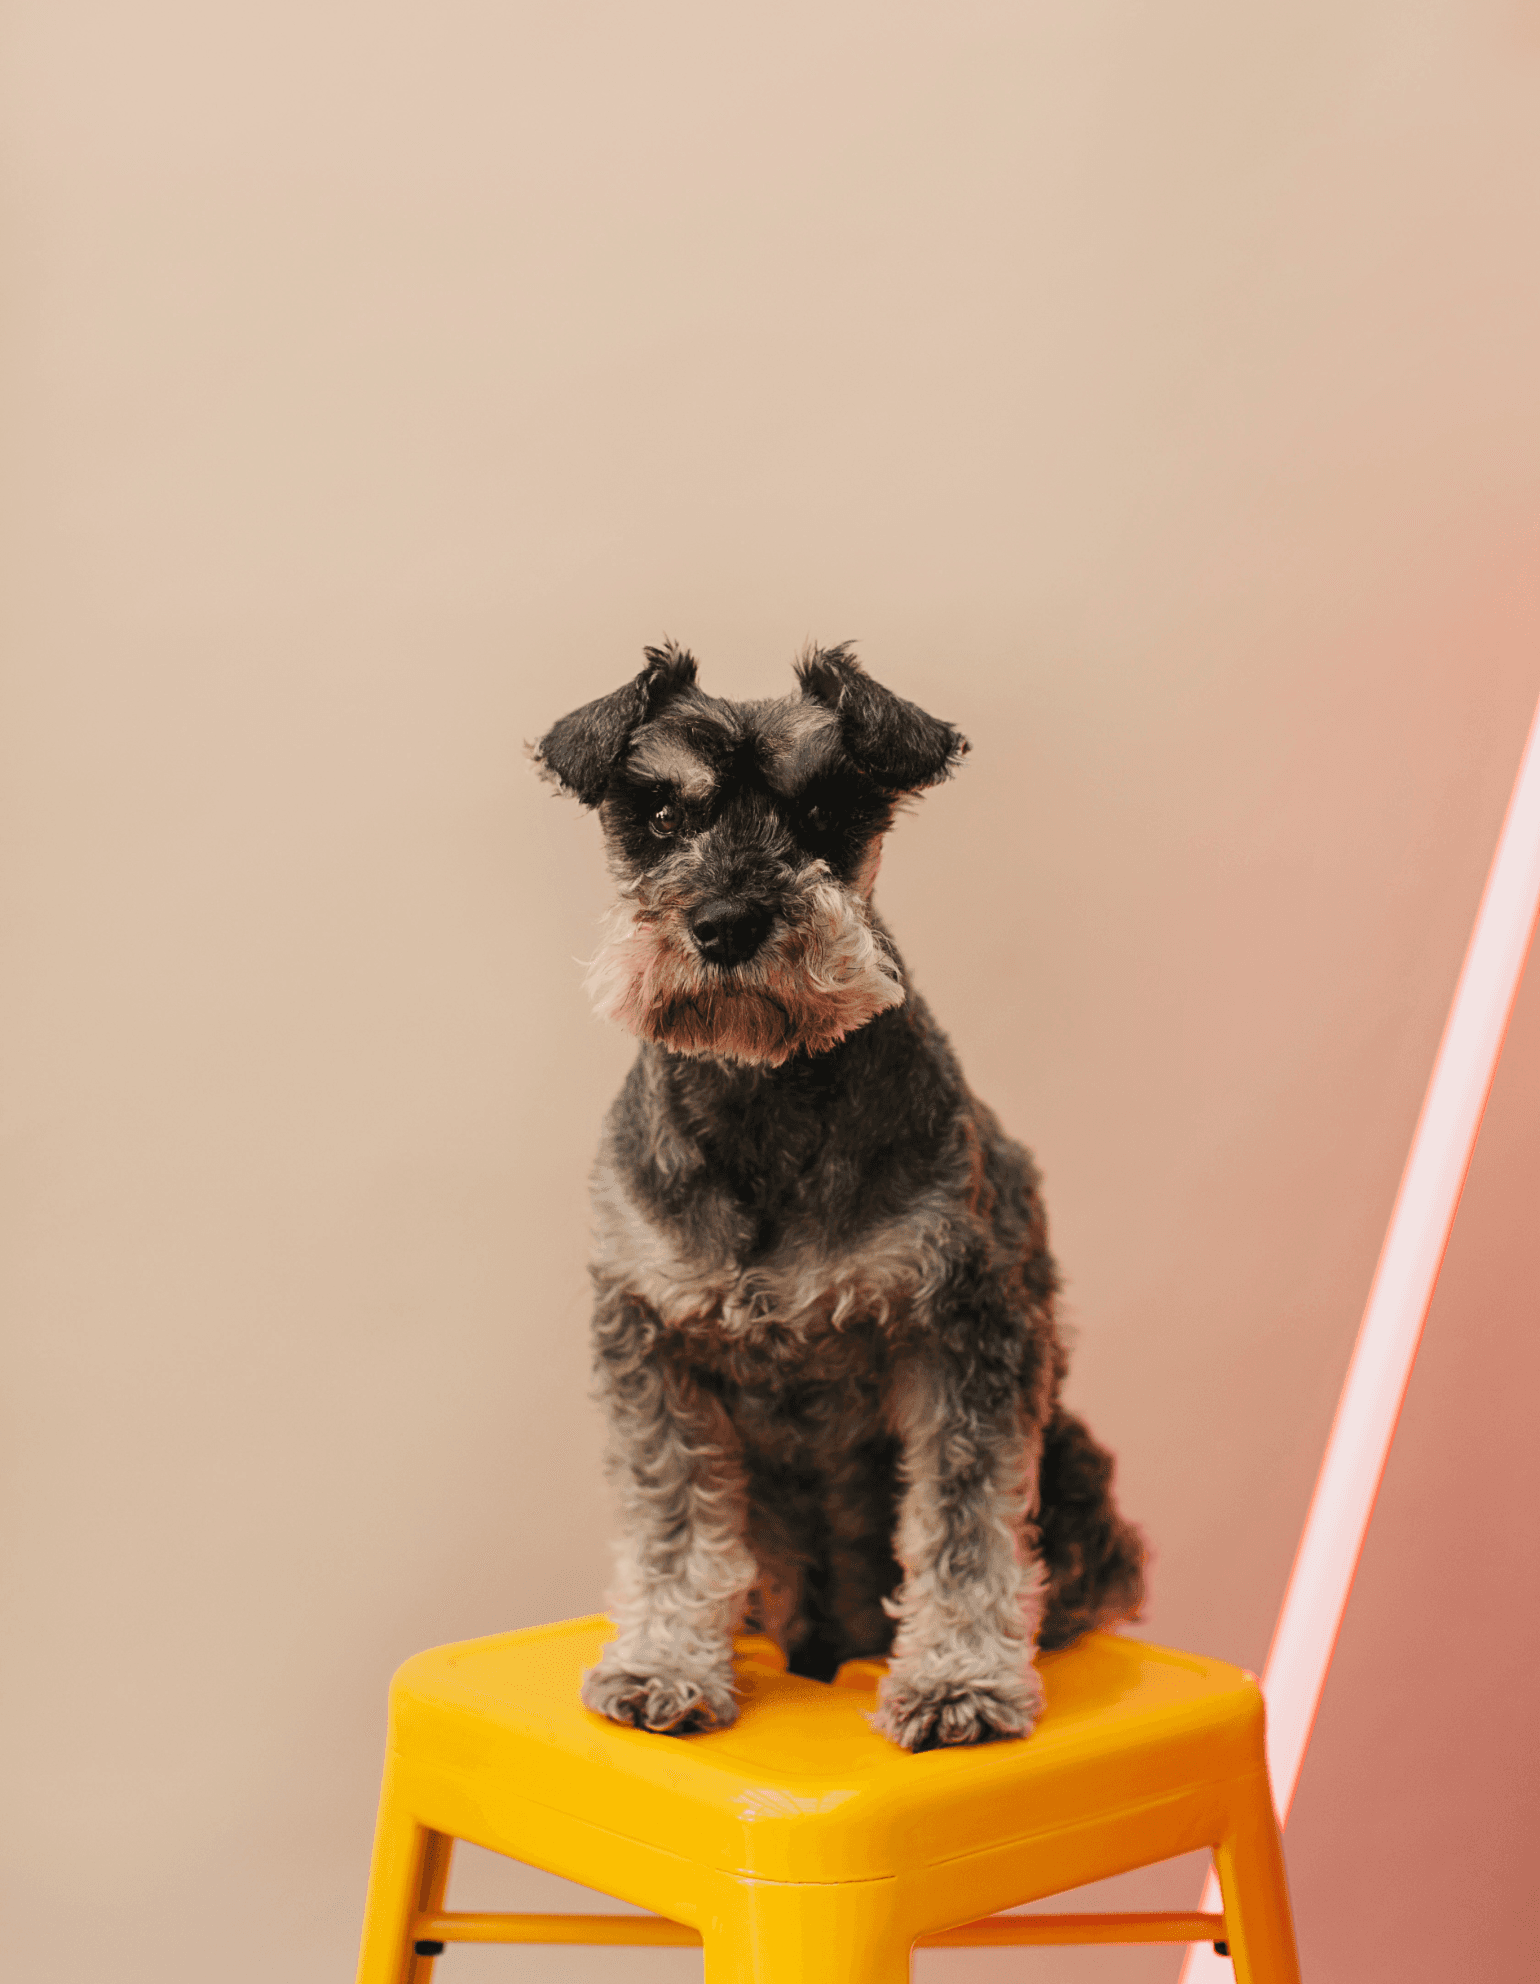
(799, 1843)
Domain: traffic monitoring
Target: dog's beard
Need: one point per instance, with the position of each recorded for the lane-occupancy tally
(822, 972)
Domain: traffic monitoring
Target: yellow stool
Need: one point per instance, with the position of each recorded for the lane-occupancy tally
(799, 1846)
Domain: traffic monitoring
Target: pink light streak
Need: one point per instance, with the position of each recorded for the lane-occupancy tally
(1397, 1308)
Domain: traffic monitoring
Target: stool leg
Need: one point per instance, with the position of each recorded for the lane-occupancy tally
(1259, 1925)
(407, 1877)
(434, 1878)
(789, 1932)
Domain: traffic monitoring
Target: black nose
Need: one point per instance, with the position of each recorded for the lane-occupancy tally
(728, 932)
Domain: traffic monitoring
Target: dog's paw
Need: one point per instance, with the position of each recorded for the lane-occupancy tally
(668, 1704)
(937, 1714)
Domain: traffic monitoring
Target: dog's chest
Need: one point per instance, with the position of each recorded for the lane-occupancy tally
(803, 1301)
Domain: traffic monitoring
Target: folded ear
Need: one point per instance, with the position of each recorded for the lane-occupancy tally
(580, 752)
(893, 742)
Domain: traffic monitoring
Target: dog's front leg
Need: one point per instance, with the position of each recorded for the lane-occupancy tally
(684, 1568)
(972, 1594)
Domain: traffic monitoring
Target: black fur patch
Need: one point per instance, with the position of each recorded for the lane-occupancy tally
(893, 743)
(582, 750)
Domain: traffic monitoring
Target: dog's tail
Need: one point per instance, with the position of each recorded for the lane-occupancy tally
(1094, 1559)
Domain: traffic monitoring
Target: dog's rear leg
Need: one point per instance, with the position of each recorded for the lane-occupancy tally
(1095, 1558)
(684, 1569)
(972, 1594)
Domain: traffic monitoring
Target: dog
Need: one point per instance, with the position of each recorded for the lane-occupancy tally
(824, 1327)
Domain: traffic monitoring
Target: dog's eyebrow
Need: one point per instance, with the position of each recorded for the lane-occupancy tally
(798, 740)
(670, 761)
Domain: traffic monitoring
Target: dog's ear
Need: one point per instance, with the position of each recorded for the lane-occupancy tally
(581, 751)
(894, 743)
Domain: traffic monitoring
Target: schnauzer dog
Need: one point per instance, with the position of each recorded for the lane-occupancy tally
(824, 1330)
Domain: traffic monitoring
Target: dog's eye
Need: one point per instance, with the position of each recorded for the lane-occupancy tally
(667, 820)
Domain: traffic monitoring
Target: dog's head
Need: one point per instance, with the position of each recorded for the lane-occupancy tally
(745, 838)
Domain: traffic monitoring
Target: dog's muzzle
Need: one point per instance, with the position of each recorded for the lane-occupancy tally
(745, 979)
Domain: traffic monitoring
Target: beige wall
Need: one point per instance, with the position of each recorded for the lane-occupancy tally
(1153, 392)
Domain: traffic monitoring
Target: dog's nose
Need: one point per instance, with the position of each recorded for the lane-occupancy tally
(727, 932)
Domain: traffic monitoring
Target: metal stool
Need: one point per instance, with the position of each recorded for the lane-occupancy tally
(799, 1846)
